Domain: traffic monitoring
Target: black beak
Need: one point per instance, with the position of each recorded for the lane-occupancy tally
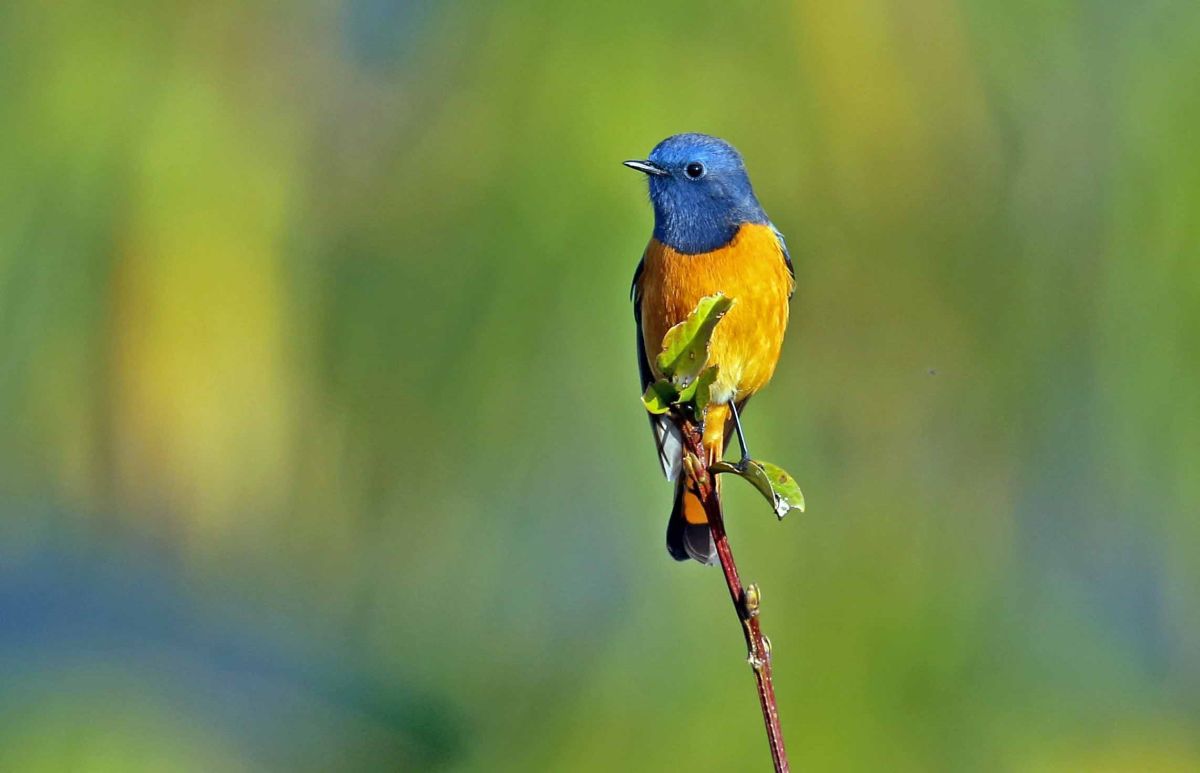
(646, 166)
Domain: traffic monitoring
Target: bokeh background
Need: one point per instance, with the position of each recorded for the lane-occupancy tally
(321, 445)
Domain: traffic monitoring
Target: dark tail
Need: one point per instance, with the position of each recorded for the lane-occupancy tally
(688, 535)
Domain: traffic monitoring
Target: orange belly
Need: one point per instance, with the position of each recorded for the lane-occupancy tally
(752, 271)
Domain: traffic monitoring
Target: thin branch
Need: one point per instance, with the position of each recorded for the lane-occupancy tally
(745, 600)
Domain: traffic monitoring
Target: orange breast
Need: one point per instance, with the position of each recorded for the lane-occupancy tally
(752, 271)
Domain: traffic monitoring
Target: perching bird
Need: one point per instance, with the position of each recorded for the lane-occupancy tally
(710, 235)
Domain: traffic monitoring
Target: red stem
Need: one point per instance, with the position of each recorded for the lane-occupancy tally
(745, 600)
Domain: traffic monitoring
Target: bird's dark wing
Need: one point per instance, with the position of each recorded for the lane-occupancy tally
(787, 256)
(667, 439)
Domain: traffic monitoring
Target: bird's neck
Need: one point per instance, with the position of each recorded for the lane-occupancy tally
(702, 224)
(694, 231)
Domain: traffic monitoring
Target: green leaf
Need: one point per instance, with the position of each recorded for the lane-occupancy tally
(662, 395)
(779, 488)
(688, 392)
(659, 396)
(685, 346)
(788, 495)
(701, 389)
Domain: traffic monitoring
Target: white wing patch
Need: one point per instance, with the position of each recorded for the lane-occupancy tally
(670, 446)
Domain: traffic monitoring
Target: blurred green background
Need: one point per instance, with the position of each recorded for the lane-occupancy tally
(321, 440)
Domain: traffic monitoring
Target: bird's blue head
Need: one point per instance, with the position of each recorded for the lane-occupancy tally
(700, 192)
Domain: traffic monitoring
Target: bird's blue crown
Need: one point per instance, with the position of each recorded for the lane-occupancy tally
(701, 193)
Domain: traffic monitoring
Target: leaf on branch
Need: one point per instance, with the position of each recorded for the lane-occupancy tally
(662, 394)
(778, 487)
(787, 491)
(699, 391)
(685, 346)
(659, 396)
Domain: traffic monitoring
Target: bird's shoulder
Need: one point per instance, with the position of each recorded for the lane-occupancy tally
(787, 256)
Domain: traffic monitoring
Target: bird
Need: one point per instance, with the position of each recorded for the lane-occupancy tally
(710, 235)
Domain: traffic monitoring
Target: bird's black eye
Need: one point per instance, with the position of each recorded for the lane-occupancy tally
(694, 170)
